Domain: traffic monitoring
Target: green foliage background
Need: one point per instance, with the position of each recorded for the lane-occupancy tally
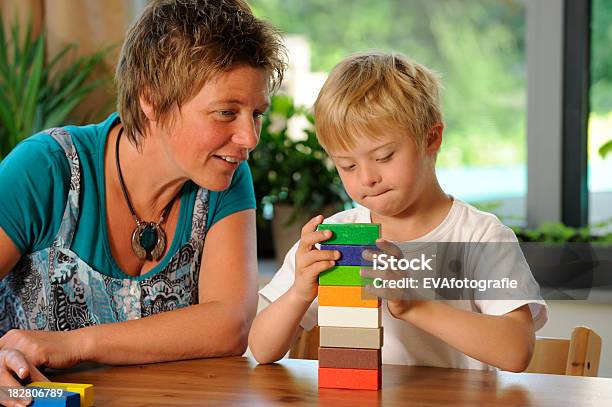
(477, 45)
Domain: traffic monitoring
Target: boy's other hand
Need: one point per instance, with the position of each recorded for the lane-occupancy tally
(400, 298)
(310, 262)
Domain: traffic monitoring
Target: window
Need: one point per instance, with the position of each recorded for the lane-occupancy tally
(600, 117)
(477, 45)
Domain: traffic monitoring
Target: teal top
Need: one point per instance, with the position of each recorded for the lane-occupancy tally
(35, 180)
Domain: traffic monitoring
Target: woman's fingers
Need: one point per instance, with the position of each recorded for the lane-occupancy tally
(37, 376)
(13, 363)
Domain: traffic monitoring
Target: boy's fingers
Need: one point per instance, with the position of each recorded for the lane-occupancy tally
(314, 256)
(368, 254)
(317, 268)
(389, 248)
(312, 224)
(371, 273)
(310, 239)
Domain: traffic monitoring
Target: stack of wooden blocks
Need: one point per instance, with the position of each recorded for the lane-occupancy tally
(349, 319)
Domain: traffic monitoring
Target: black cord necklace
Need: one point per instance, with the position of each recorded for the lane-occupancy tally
(148, 238)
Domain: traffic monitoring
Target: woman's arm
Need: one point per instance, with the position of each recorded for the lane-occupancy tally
(217, 326)
(505, 341)
(9, 254)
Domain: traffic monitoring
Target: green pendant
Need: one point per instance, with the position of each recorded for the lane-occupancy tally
(148, 241)
(148, 238)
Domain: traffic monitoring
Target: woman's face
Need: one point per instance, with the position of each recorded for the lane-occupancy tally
(210, 135)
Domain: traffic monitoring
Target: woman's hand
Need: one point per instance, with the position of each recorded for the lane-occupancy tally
(57, 350)
(310, 262)
(13, 367)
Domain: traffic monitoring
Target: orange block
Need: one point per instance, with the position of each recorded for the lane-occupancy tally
(346, 296)
(358, 379)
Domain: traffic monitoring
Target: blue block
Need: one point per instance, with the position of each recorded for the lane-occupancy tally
(68, 399)
(350, 255)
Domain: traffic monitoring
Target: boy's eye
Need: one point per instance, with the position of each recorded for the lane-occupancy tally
(385, 158)
(347, 167)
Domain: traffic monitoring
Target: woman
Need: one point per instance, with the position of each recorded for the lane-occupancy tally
(147, 214)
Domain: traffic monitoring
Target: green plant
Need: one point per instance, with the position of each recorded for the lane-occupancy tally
(296, 172)
(556, 232)
(605, 149)
(35, 95)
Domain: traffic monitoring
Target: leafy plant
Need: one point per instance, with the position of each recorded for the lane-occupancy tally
(605, 149)
(556, 232)
(35, 95)
(296, 172)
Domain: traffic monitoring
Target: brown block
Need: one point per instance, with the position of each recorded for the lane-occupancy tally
(350, 358)
(336, 337)
(363, 379)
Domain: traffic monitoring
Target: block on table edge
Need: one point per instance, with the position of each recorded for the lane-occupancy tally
(356, 379)
(85, 390)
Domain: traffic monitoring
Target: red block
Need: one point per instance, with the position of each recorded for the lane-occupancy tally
(357, 379)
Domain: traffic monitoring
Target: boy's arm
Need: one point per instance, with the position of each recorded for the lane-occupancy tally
(276, 327)
(505, 341)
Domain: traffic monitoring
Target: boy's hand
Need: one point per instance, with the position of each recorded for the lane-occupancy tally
(310, 262)
(399, 300)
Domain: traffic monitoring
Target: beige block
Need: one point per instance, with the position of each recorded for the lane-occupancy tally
(336, 337)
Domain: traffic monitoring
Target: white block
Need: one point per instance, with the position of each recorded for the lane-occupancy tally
(350, 317)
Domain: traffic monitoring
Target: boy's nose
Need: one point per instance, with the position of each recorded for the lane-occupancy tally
(369, 178)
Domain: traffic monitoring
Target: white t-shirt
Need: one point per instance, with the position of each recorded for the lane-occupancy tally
(403, 342)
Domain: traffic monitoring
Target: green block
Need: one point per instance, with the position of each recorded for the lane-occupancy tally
(352, 233)
(343, 275)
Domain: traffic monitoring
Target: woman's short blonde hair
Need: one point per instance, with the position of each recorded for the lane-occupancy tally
(176, 46)
(371, 93)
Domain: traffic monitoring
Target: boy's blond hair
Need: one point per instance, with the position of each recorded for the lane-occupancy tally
(176, 46)
(371, 93)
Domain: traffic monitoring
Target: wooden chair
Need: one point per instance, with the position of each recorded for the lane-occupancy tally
(578, 356)
(306, 345)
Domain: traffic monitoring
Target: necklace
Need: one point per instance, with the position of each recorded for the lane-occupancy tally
(148, 238)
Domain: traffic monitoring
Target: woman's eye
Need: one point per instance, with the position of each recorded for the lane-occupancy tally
(226, 113)
(258, 115)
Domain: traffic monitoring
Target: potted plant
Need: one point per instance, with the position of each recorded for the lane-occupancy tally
(605, 149)
(568, 262)
(294, 178)
(35, 94)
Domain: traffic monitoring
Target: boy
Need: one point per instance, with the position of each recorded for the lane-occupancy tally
(378, 116)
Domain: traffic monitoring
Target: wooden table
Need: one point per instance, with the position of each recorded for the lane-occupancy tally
(240, 381)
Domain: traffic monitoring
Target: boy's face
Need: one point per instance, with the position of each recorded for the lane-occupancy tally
(386, 175)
